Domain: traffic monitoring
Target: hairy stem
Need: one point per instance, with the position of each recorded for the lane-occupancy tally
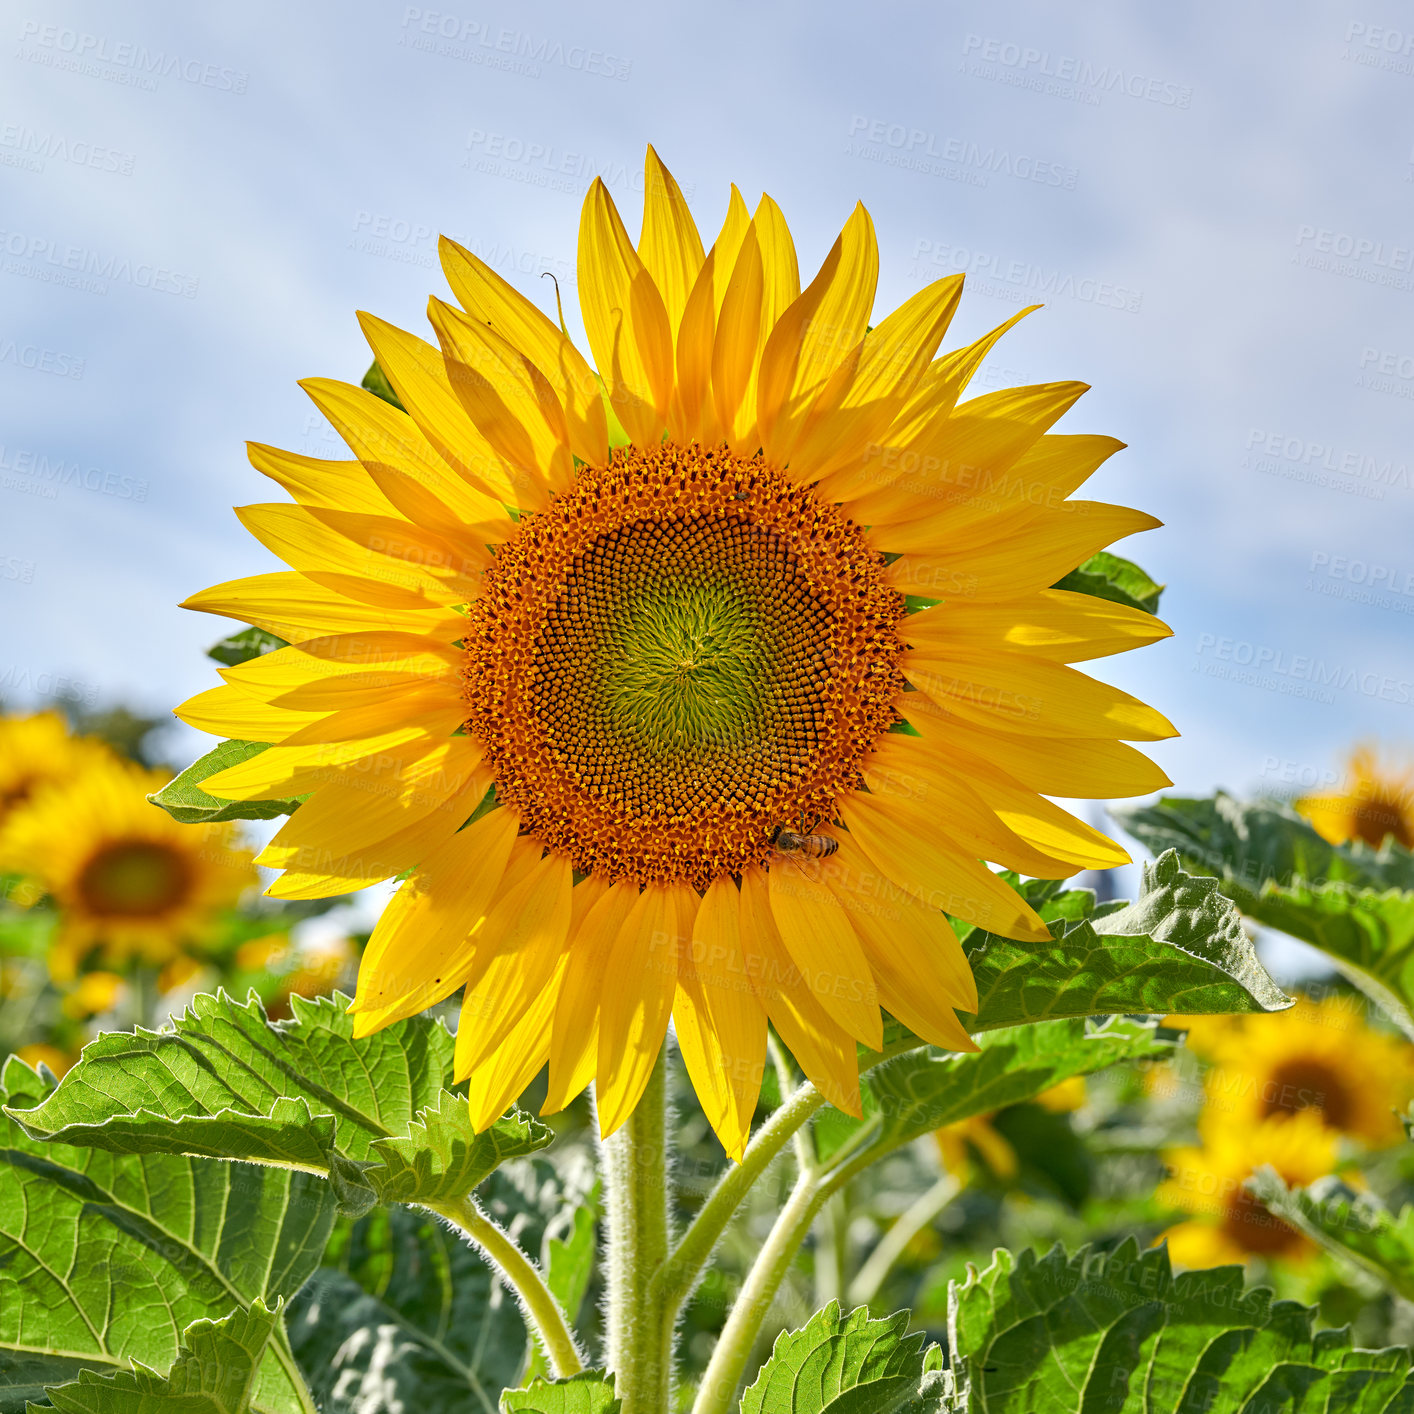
(546, 1318)
(640, 1331)
(717, 1392)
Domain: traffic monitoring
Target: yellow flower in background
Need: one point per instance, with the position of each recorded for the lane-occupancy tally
(1378, 802)
(124, 874)
(39, 749)
(39, 1053)
(1229, 1224)
(955, 1141)
(92, 994)
(612, 662)
(1320, 1057)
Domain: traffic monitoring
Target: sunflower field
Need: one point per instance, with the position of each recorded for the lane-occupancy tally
(748, 1023)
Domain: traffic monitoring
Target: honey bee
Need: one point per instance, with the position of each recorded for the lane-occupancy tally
(802, 842)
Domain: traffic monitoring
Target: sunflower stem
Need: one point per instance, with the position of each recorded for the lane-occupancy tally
(639, 1329)
(546, 1318)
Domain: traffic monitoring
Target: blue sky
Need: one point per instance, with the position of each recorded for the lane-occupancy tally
(1213, 201)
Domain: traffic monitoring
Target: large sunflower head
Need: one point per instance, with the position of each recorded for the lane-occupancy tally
(37, 749)
(696, 681)
(1228, 1223)
(124, 875)
(1320, 1056)
(1376, 802)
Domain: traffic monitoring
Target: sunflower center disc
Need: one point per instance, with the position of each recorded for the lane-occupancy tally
(676, 657)
(133, 880)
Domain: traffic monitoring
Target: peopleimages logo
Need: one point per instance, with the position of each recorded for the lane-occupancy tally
(40, 258)
(1041, 70)
(897, 145)
(80, 52)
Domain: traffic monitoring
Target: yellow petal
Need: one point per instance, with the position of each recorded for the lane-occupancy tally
(669, 246)
(764, 284)
(295, 608)
(873, 382)
(313, 482)
(419, 377)
(1032, 552)
(336, 658)
(968, 453)
(334, 869)
(638, 999)
(507, 397)
(1016, 693)
(486, 296)
(719, 1024)
(310, 544)
(223, 711)
(1053, 624)
(694, 414)
(357, 813)
(815, 335)
(938, 875)
(402, 463)
(437, 710)
(821, 1047)
(625, 320)
(497, 1082)
(423, 945)
(1079, 767)
(574, 1042)
(516, 955)
(818, 936)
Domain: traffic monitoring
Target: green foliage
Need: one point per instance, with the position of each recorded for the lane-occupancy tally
(214, 1373)
(923, 1090)
(185, 801)
(1179, 947)
(1353, 1225)
(1119, 1331)
(229, 1084)
(591, 1392)
(243, 646)
(1354, 903)
(850, 1365)
(405, 1316)
(376, 381)
(1107, 576)
(107, 1258)
(567, 1259)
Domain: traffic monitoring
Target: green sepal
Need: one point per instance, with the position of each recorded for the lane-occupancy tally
(243, 646)
(1107, 576)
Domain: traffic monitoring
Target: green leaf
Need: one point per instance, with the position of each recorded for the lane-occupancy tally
(1120, 1332)
(441, 1156)
(1353, 1225)
(1179, 947)
(1108, 576)
(108, 1258)
(923, 1090)
(1354, 903)
(849, 1365)
(376, 381)
(227, 1083)
(185, 801)
(214, 1373)
(243, 646)
(590, 1392)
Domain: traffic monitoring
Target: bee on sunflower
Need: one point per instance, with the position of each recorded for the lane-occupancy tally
(126, 878)
(1377, 803)
(624, 634)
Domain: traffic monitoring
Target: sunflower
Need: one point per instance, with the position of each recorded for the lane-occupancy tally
(610, 658)
(1320, 1056)
(1230, 1225)
(123, 874)
(1379, 802)
(38, 749)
